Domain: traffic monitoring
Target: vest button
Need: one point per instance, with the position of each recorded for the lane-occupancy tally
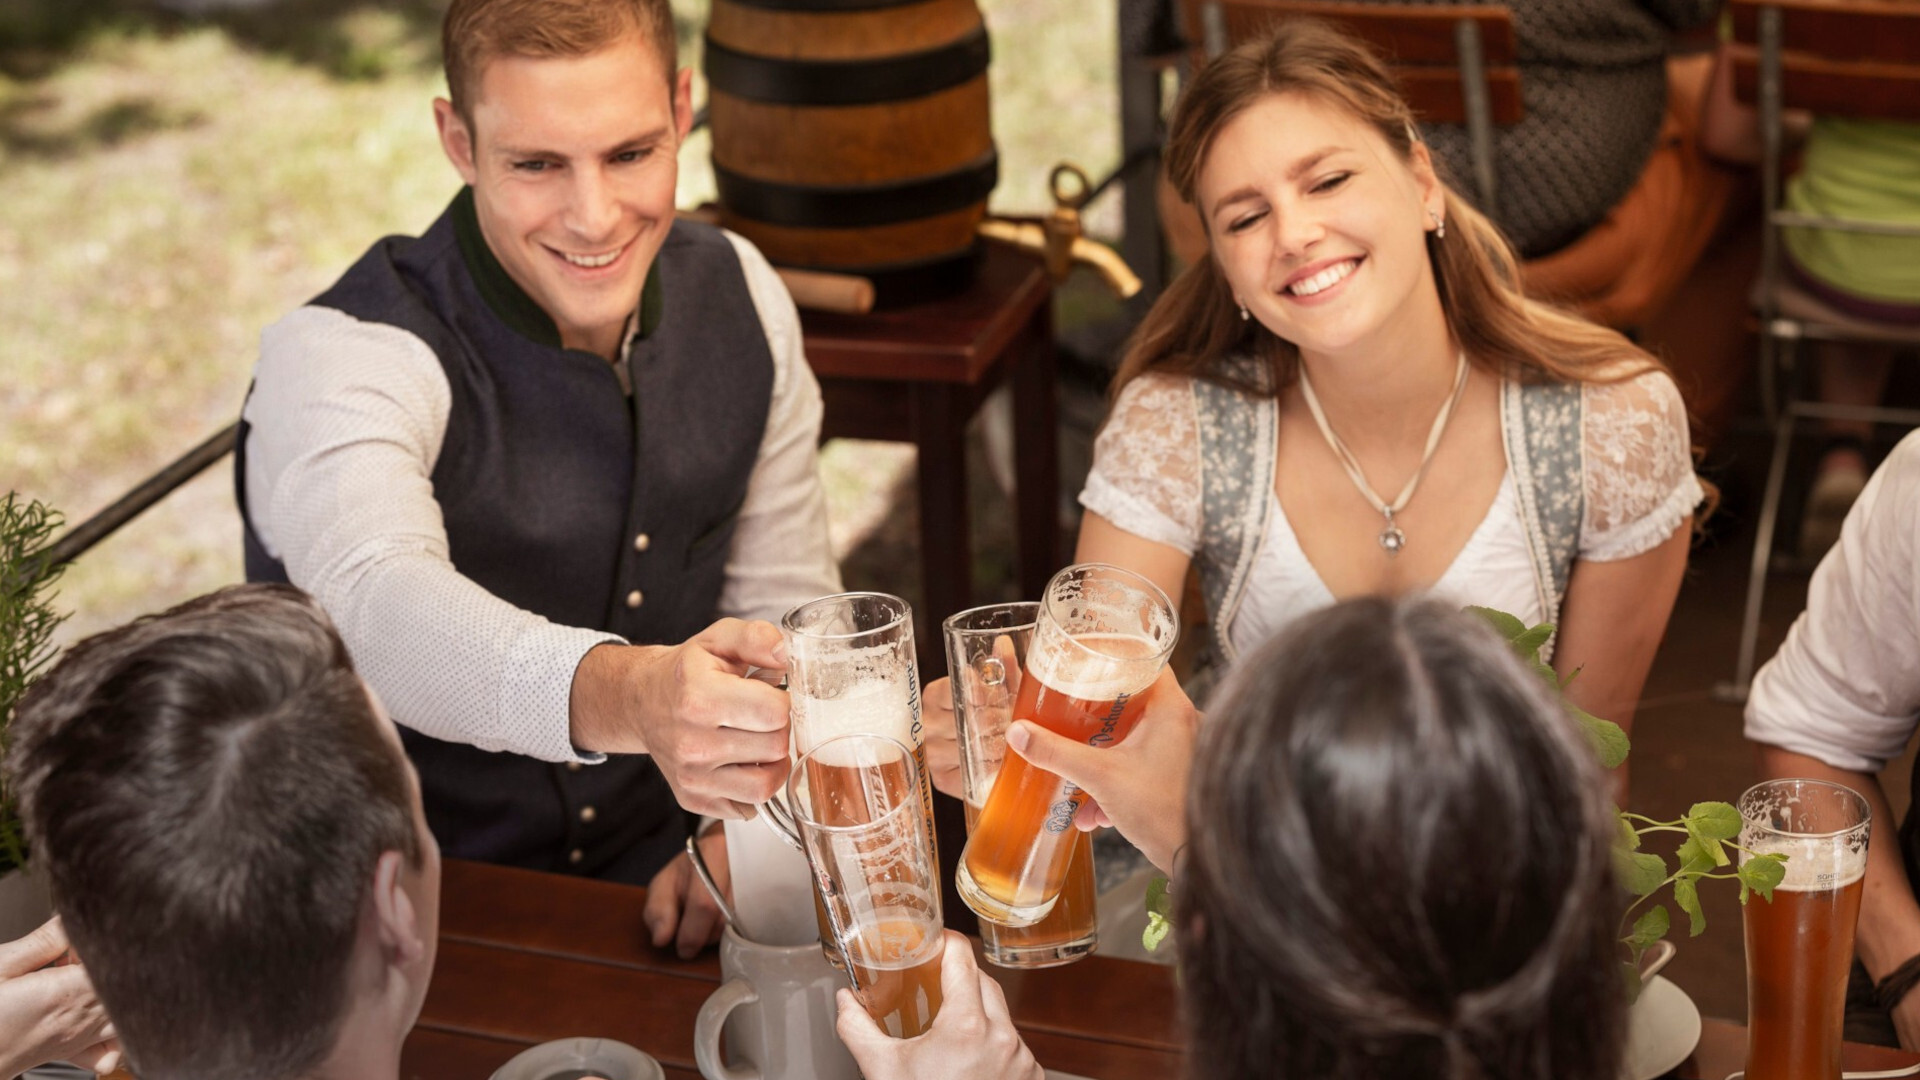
(588, 813)
(633, 599)
(575, 856)
(642, 542)
(573, 766)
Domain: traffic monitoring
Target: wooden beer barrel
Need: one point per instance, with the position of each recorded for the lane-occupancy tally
(854, 136)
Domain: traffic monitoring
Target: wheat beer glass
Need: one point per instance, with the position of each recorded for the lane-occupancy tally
(851, 668)
(986, 648)
(856, 800)
(1800, 946)
(1100, 638)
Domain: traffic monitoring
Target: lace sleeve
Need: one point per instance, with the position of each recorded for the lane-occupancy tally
(1146, 464)
(1639, 466)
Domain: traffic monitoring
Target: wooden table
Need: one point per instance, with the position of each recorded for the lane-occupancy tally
(918, 374)
(528, 957)
(1723, 1051)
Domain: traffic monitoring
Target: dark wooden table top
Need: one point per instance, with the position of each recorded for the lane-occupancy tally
(528, 957)
(955, 339)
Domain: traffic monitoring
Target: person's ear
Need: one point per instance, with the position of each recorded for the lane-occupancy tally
(456, 139)
(683, 103)
(1433, 196)
(398, 920)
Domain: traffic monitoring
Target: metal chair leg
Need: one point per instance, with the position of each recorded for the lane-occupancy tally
(1735, 692)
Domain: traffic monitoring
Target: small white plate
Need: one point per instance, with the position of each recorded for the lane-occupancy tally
(1663, 1028)
(603, 1057)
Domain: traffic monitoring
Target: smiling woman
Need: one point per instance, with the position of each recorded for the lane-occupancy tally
(1352, 396)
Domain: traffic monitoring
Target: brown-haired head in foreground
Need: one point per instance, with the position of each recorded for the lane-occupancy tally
(477, 31)
(1196, 325)
(208, 793)
(1399, 863)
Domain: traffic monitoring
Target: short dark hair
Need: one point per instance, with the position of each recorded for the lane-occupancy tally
(208, 794)
(479, 31)
(1398, 862)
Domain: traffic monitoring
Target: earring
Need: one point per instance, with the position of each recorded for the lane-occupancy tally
(1439, 226)
(1243, 312)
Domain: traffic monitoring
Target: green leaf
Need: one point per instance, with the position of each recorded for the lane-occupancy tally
(1717, 820)
(1696, 856)
(1160, 897)
(1649, 928)
(1686, 894)
(1528, 643)
(1640, 872)
(1503, 624)
(1761, 873)
(1159, 914)
(1609, 741)
(1629, 837)
(1708, 846)
(1158, 927)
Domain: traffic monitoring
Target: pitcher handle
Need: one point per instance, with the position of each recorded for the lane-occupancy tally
(711, 1023)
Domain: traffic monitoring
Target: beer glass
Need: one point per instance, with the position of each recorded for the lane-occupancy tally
(986, 647)
(851, 668)
(1800, 946)
(1100, 639)
(856, 799)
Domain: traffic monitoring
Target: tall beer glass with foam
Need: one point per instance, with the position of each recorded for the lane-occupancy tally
(856, 799)
(851, 668)
(986, 650)
(1100, 640)
(1800, 946)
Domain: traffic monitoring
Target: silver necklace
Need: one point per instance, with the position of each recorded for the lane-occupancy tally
(1391, 538)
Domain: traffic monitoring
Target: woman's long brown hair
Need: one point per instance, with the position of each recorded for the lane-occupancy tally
(1196, 324)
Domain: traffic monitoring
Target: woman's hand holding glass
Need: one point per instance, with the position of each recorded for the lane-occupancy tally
(972, 1037)
(1138, 786)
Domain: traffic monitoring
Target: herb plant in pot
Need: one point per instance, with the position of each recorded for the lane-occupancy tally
(27, 622)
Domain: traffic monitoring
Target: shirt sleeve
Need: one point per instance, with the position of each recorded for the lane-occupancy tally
(1146, 463)
(781, 555)
(1640, 485)
(1845, 687)
(346, 421)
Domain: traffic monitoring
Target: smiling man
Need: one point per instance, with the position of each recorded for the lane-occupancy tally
(529, 458)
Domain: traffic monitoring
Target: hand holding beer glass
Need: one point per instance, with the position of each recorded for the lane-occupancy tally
(1800, 945)
(1101, 637)
(986, 649)
(856, 799)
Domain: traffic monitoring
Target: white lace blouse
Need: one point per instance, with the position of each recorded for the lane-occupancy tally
(1640, 487)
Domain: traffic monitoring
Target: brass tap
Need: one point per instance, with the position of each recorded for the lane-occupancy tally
(1058, 237)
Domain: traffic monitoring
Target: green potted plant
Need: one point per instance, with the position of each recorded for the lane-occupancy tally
(27, 622)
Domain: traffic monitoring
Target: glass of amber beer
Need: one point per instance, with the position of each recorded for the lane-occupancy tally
(986, 649)
(851, 668)
(856, 799)
(1100, 639)
(1800, 946)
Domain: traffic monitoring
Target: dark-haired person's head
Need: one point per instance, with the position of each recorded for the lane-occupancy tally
(234, 840)
(1398, 862)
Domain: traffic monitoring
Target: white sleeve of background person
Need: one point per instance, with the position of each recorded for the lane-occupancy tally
(1845, 687)
(347, 421)
(781, 553)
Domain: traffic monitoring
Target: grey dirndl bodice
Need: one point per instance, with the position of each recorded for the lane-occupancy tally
(1540, 426)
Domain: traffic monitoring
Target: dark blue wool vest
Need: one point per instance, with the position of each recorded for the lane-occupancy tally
(547, 476)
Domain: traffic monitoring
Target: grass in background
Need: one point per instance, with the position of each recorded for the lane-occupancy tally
(174, 183)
